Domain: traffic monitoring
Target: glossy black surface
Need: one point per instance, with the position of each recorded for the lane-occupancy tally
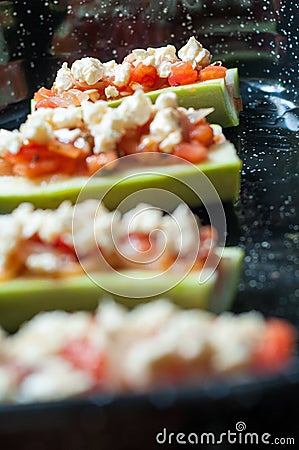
(264, 222)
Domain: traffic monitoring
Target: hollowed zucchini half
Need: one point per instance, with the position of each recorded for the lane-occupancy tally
(22, 298)
(184, 180)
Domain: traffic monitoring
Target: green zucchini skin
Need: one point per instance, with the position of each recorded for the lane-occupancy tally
(22, 298)
(223, 172)
(218, 93)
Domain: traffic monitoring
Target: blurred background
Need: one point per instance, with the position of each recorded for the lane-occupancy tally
(260, 37)
(35, 35)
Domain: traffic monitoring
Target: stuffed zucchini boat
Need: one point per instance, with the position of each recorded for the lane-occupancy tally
(56, 151)
(61, 355)
(70, 257)
(190, 74)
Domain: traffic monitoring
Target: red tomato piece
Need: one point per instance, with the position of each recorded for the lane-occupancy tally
(60, 244)
(140, 241)
(202, 133)
(212, 73)
(182, 73)
(191, 151)
(84, 356)
(43, 93)
(97, 162)
(147, 76)
(276, 345)
(34, 160)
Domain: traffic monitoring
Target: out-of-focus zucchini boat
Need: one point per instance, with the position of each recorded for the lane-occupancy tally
(60, 355)
(190, 74)
(140, 145)
(70, 257)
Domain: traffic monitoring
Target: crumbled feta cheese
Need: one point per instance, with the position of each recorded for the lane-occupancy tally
(43, 263)
(167, 100)
(140, 53)
(70, 117)
(135, 110)
(164, 56)
(111, 92)
(109, 67)
(64, 79)
(174, 138)
(93, 113)
(234, 340)
(181, 230)
(194, 52)
(10, 141)
(108, 229)
(166, 121)
(142, 219)
(108, 132)
(88, 70)
(122, 73)
(56, 380)
(46, 334)
(66, 135)
(36, 128)
(141, 347)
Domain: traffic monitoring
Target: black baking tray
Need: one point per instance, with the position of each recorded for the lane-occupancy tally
(264, 222)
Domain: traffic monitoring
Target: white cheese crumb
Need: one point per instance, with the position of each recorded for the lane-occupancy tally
(88, 70)
(64, 79)
(66, 135)
(164, 56)
(108, 132)
(166, 121)
(36, 128)
(93, 113)
(167, 100)
(111, 92)
(174, 138)
(67, 117)
(122, 73)
(143, 218)
(10, 141)
(194, 52)
(56, 380)
(135, 110)
(43, 263)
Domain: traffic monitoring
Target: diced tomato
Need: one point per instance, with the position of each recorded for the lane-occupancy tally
(191, 151)
(202, 133)
(42, 94)
(182, 73)
(68, 150)
(60, 244)
(5, 167)
(47, 103)
(140, 241)
(84, 356)
(97, 162)
(147, 76)
(212, 72)
(276, 345)
(34, 160)
(46, 98)
(129, 144)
